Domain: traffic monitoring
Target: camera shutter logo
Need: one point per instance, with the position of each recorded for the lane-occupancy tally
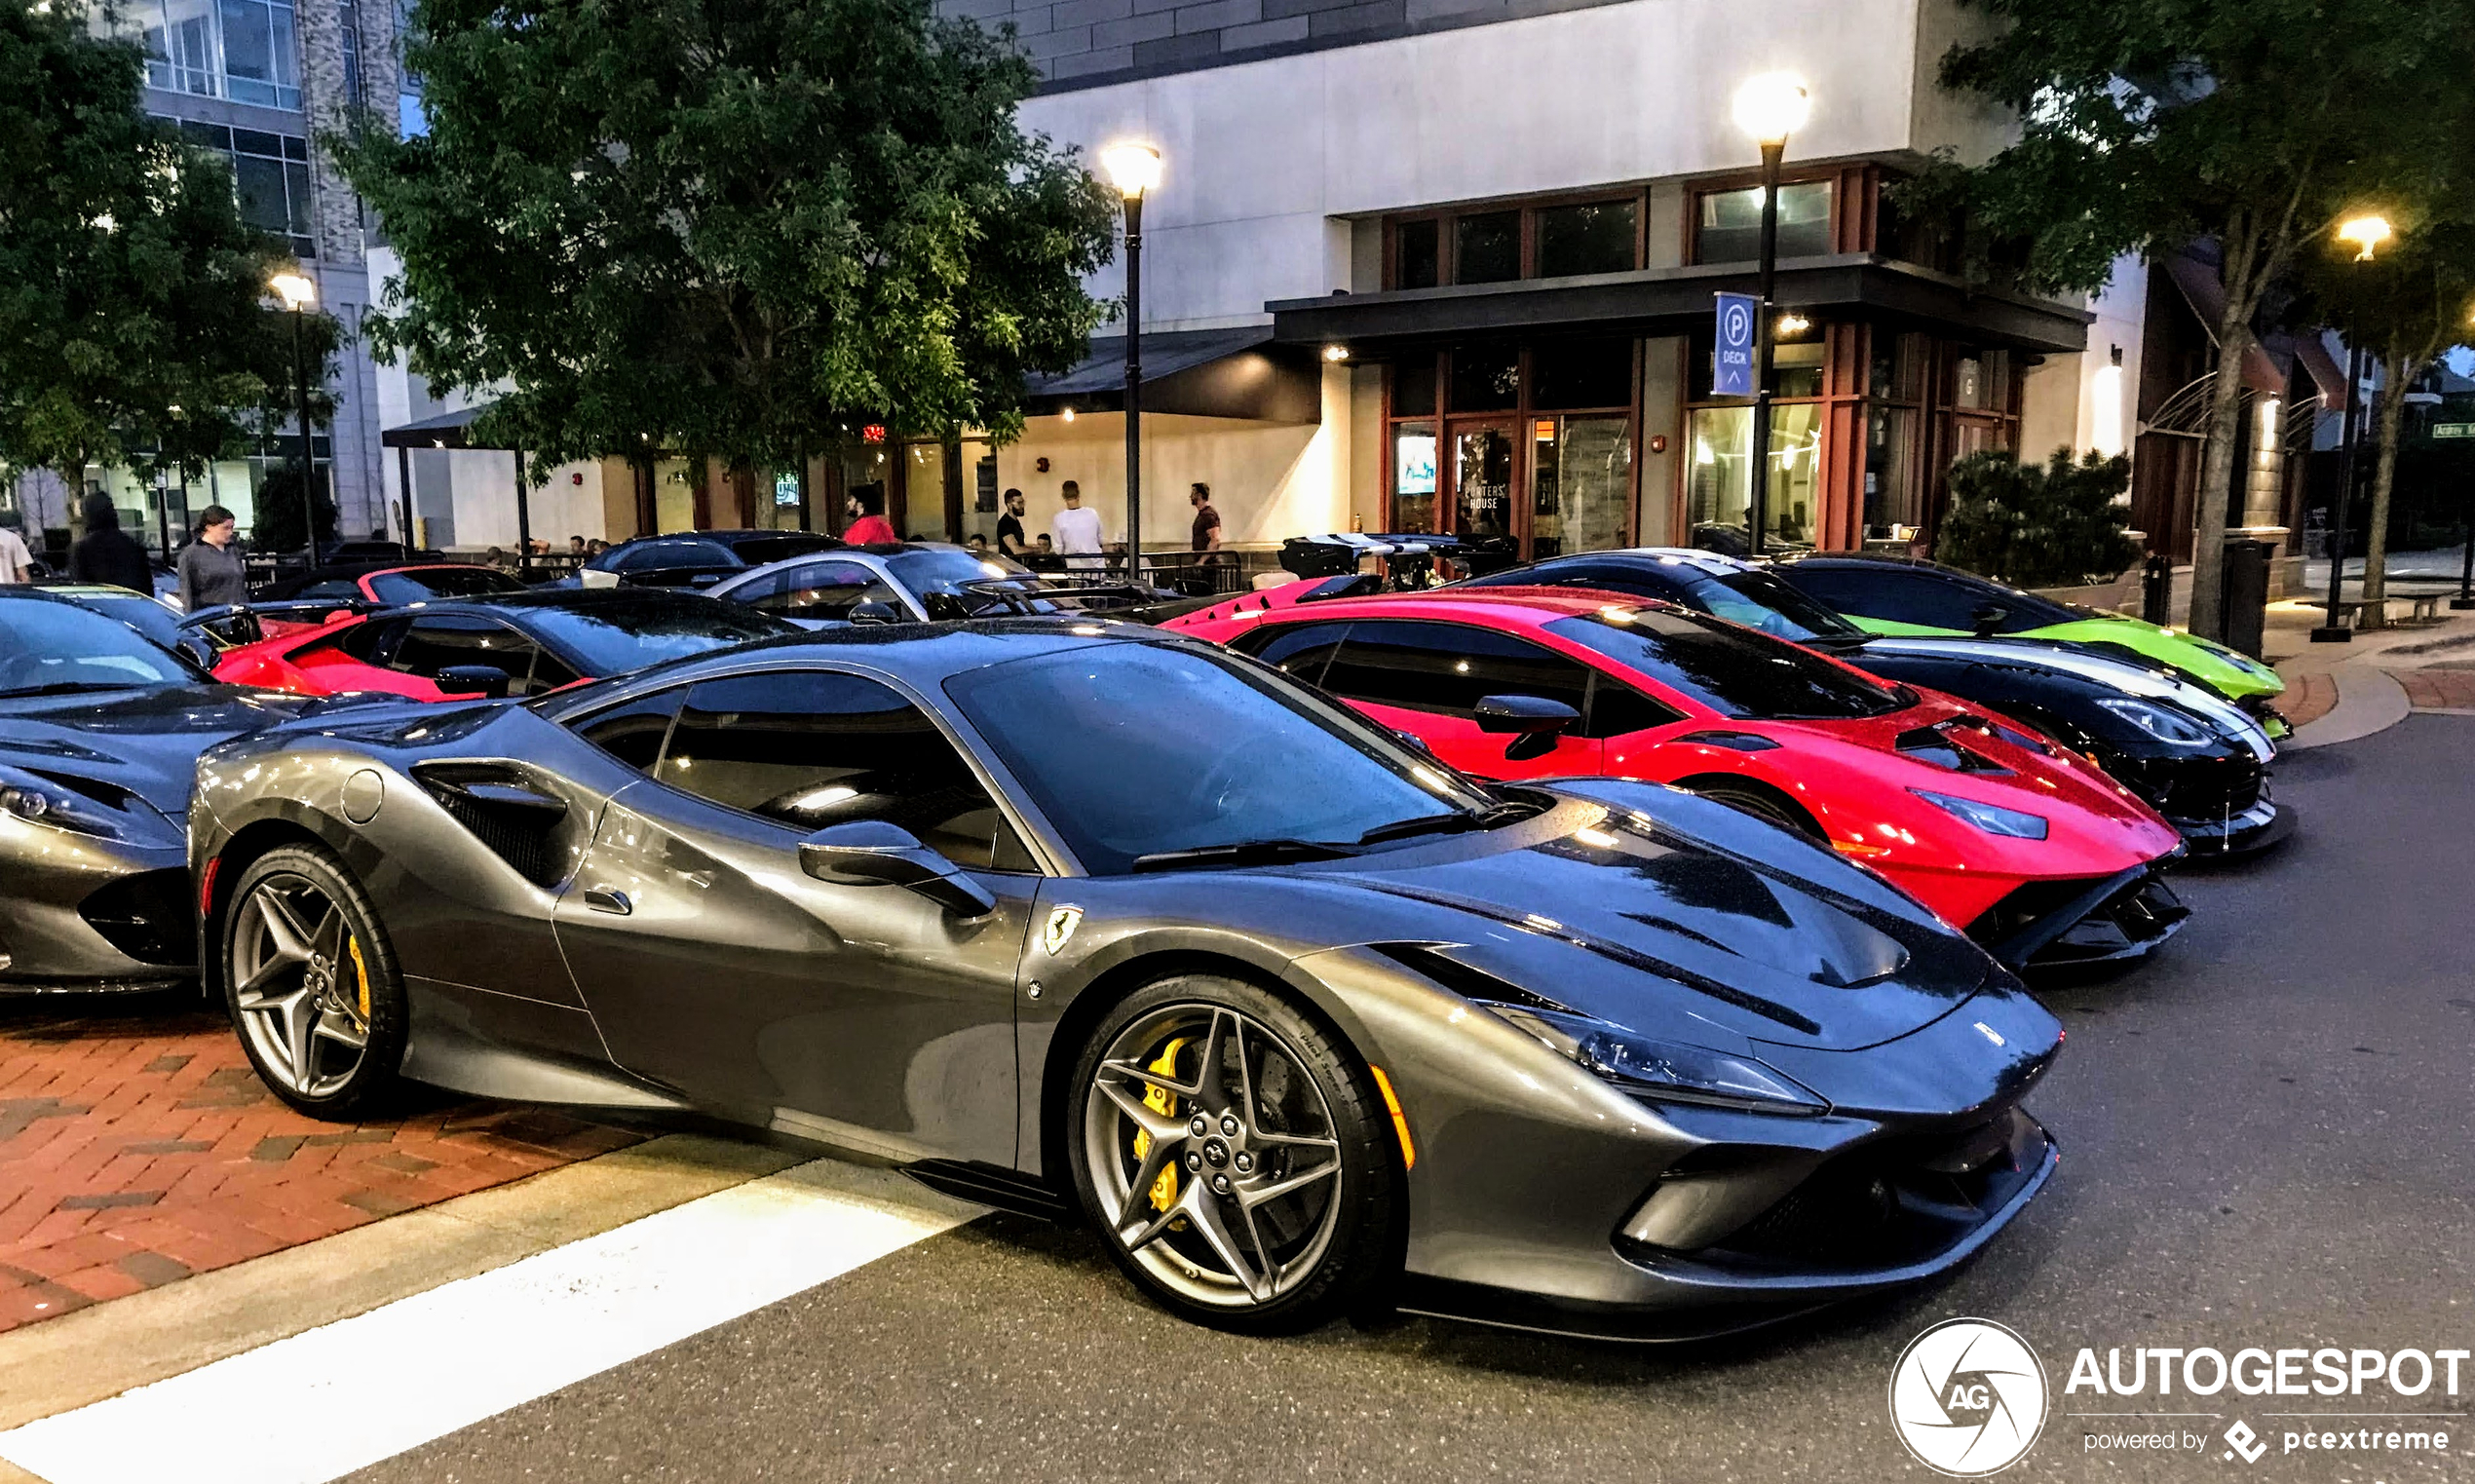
(1969, 1397)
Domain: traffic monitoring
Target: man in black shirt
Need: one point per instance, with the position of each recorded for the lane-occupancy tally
(108, 554)
(1009, 528)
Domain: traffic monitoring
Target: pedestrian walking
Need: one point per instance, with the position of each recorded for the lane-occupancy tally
(108, 554)
(210, 570)
(1206, 519)
(1009, 528)
(16, 563)
(1078, 531)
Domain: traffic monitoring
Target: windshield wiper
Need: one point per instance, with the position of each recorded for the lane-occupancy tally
(1503, 812)
(1245, 853)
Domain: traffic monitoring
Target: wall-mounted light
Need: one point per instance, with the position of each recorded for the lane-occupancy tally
(1336, 353)
(1066, 413)
(1792, 324)
(2105, 408)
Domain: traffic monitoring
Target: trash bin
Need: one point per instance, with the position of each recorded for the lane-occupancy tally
(2156, 591)
(2244, 595)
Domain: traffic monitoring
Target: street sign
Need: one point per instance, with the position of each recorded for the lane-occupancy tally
(1732, 367)
(2453, 429)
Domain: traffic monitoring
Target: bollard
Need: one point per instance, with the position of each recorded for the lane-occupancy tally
(2245, 595)
(2156, 591)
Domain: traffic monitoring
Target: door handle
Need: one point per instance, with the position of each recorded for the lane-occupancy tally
(604, 900)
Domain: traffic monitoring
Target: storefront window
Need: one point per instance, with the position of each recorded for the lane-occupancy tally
(1582, 373)
(1799, 354)
(673, 496)
(1486, 379)
(1728, 229)
(1721, 482)
(982, 497)
(924, 492)
(1487, 248)
(1414, 387)
(1482, 483)
(1592, 238)
(1414, 477)
(1580, 482)
(1894, 497)
(1421, 261)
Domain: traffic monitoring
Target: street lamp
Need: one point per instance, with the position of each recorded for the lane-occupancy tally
(298, 293)
(2466, 599)
(1769, 107)
(2364, 233)
(1133, 168)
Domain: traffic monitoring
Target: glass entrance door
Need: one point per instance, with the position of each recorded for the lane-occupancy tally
(1482, 481)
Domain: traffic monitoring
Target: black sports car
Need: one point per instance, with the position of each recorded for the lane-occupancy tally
(1075, 916)
(101, 728)
(695, 558)
(2196, 757)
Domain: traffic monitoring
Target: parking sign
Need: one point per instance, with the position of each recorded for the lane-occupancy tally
(1731, 367)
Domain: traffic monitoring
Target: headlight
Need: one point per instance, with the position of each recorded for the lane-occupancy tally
(1663, 1071)
(2166, 726)
(40, 801)
(1991, 818)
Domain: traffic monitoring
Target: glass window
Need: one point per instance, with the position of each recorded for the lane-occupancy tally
(1414, 477)
(939, 579)
(1581, 484)
(433, 644)
(1420, 266)
(1486, 247)
(1299, 650)
(1482, 483)
(810, 748)
(614, 637)
(1895, 495)
(243, 50)
(61, 647)
(1486, 378)
(371, 643)
(1414, 387)
(633, 732)
(1211, 750)
(1730, 671)
(423, 583)
(1595, 238)
(1617, 709)
(820, 589)
(1447, 668)
(1719, 483)
(1729, 230)
(1925, 597)
(1760, 600)
(1582, 373)
(260, 59)
(1636, 578)
(657, 555)
(923, 491)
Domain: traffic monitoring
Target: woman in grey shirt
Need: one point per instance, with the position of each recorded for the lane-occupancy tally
(211, 571)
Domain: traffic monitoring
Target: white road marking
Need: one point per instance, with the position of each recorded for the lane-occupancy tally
(325, 1402)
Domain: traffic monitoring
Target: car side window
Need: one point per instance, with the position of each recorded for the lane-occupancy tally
(550, 672)
(824, 590)
(633, 731)
(1616, 708)
(341, 588)
(370, 643)
(1300, 650)
(1615, 577)
(433, 644)
(1447, 668)
(810, 748)
(1899, 597)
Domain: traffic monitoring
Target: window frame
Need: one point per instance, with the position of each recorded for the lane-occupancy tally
(1592, 676)
(1447, 269)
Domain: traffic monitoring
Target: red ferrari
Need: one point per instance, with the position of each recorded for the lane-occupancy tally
(2034, 852)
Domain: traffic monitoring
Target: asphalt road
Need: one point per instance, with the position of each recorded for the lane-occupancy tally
(2267, 1140)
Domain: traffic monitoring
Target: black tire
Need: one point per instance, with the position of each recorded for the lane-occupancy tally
(1316, 1264)
(349, 983)
(1763, 803)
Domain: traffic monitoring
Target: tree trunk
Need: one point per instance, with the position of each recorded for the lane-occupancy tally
(2216, 469)
(2391, 407)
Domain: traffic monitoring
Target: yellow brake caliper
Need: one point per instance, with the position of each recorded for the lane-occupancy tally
(361, 979)
(1164, 1103)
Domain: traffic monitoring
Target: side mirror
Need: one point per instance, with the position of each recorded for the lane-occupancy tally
(1988, 619)
(200, 650)
(1535, 720)
(487, 681)
(873, 612)
(870, 853)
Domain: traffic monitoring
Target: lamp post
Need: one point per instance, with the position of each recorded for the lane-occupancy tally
(2365, 233)
(298, 293)
(2466, 599)
(1133, 168)
(1770, 107)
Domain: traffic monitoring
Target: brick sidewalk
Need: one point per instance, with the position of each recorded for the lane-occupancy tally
(2439, 688)
(2309, 698)
(137, 1148)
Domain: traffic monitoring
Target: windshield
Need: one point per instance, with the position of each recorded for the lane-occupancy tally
(937, 577)
(48, 646)
(1728, 669)
(1760, 600)
(612, 638)
(422, 584)
(1135, 750)
(143, 614)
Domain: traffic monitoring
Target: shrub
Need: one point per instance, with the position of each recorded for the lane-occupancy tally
(2058, 526)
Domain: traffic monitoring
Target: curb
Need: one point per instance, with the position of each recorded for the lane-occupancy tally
(2369, 699)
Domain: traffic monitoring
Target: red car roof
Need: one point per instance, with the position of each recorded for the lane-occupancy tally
(1508, 607)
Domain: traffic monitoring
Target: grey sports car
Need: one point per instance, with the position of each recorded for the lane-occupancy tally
(101, 728)
(1089, 920)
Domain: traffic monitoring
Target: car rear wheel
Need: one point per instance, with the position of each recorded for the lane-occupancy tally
(312, 985)
(1236, 1159)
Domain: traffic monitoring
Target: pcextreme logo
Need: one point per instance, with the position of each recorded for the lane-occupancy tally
(1967, 1399)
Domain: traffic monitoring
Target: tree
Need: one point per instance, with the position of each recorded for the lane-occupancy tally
(2059, 526)
(2145, 127)
(133, 321)
(286, 521)
(719, 227)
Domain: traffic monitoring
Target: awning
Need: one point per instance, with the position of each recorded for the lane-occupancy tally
(448, 430)
(1238, 373)
(2323, 369)
(2205, 293)
(1672, 301)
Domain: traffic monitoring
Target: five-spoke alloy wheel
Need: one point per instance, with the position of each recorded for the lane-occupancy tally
(311, 983)
(1233, 1155)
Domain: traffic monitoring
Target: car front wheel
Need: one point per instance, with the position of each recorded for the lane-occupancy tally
(312, 985)
(1237, 1158)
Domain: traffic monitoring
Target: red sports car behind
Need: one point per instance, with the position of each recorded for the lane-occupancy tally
(2036, 854)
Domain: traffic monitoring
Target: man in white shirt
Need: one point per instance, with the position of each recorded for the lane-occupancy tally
(1078, 531)
(16, 563)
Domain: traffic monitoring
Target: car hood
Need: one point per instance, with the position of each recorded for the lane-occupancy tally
(145, 741)
(2138, 681)
(1673, 915)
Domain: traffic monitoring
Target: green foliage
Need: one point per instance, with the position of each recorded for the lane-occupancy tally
(132, 294)
(720, 227)
(285, 520)
(2059, 526)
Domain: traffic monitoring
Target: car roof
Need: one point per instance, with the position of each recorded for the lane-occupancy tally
(1512, 607)
(729, 538)
(1883, 559)
(79, 590)
(534, 599)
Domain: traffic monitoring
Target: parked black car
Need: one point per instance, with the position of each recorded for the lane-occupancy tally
(696, 558)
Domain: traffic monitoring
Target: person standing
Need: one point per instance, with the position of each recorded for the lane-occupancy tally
(868, 526)
(210, 570)
(16, 563)
(1078, 531)
(108, 554)
(1206, 519)
(1009, 528)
